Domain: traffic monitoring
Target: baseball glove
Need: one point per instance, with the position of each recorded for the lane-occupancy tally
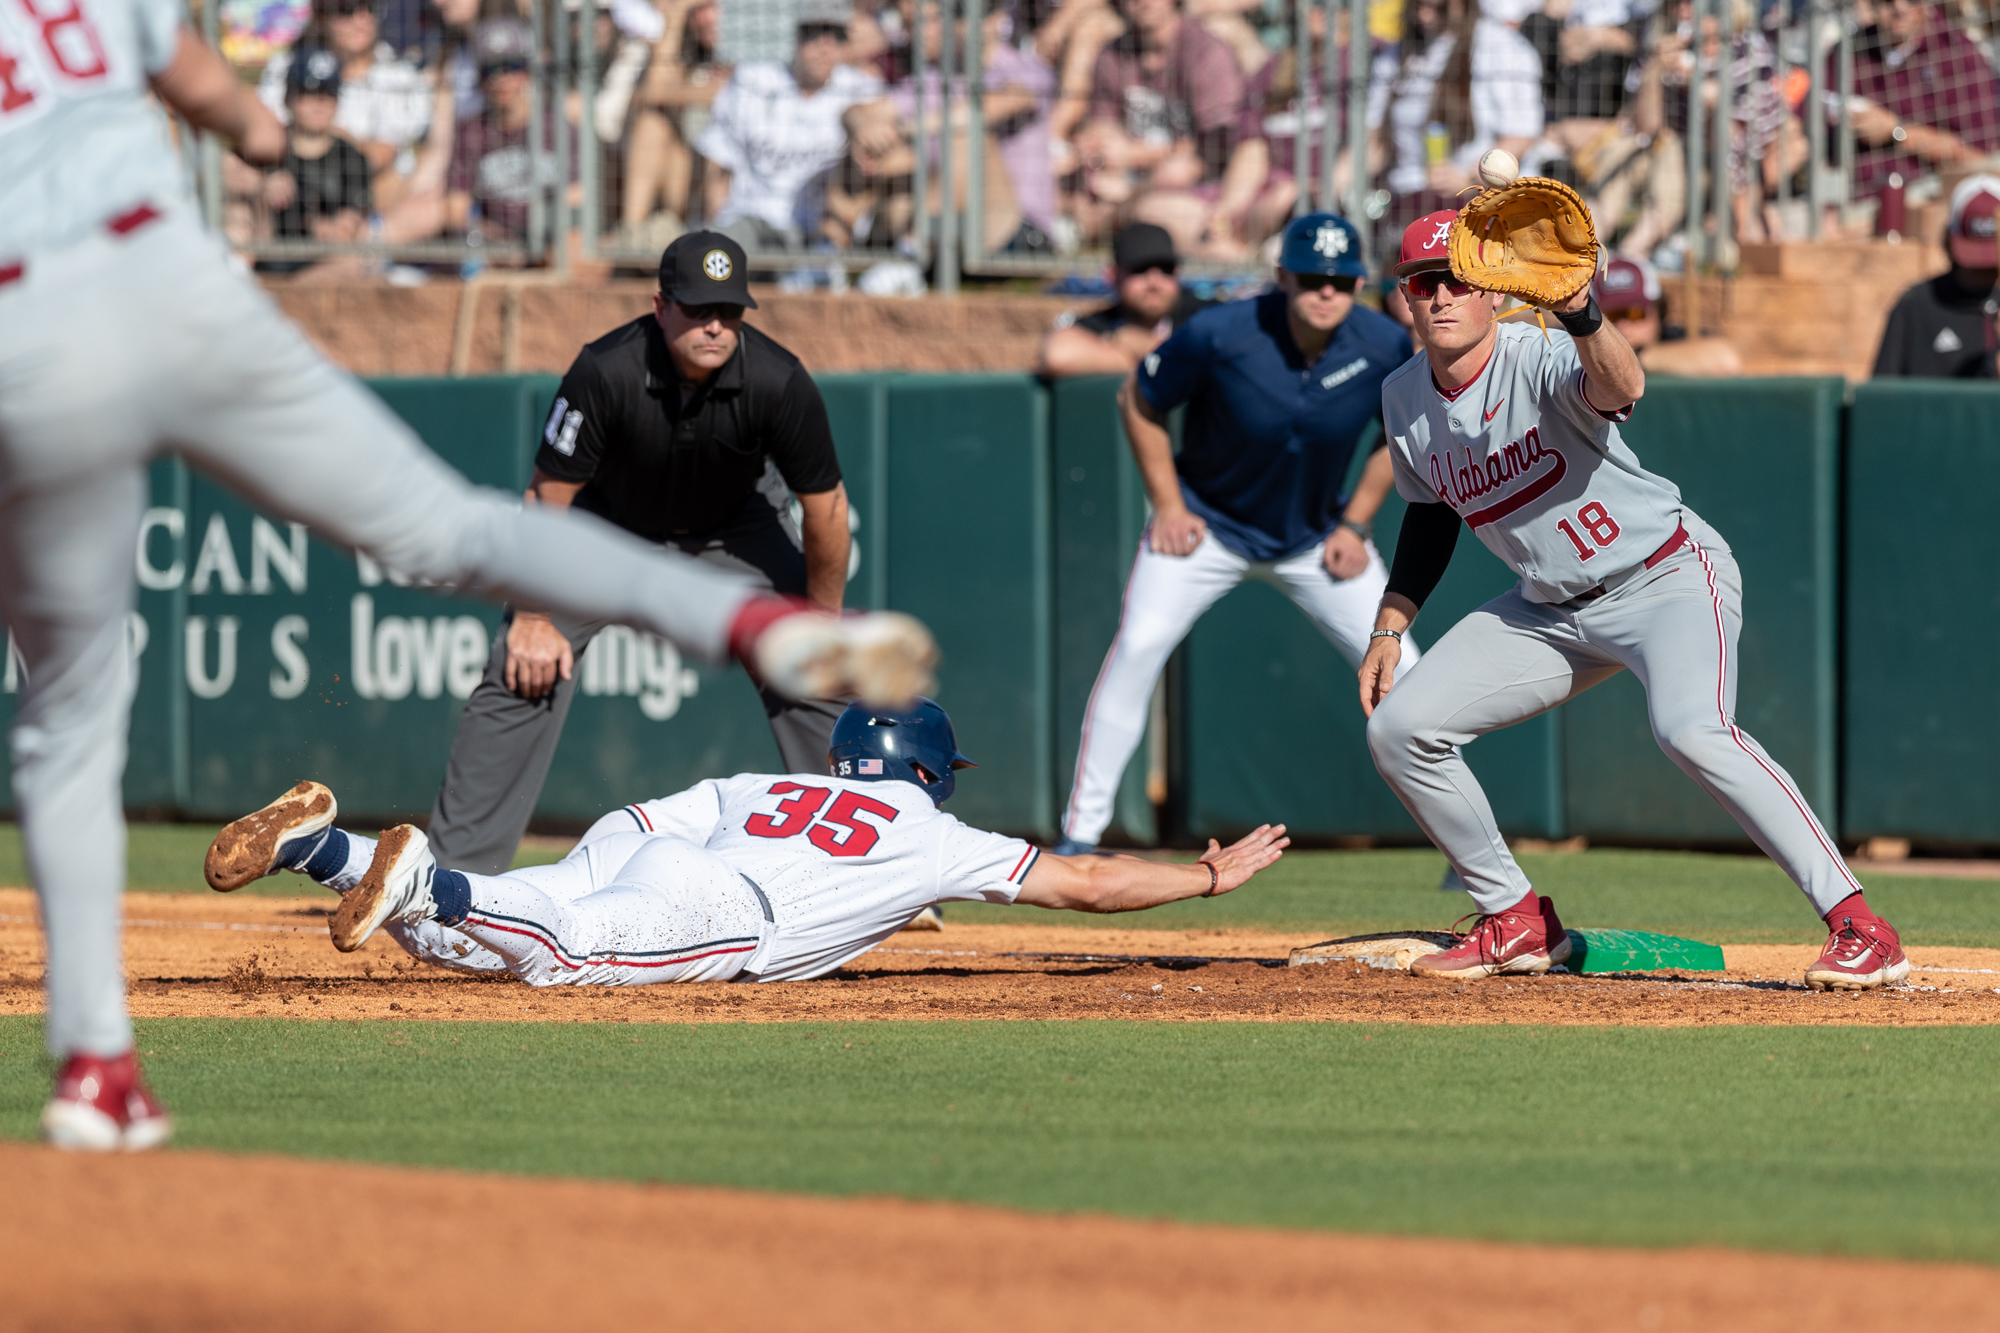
(1532, 239)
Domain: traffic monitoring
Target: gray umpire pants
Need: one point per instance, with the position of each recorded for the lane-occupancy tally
(118, 349)
(504, 745)
(1675, 627)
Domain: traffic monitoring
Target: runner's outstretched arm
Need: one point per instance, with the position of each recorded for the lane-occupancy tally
(1127, 883)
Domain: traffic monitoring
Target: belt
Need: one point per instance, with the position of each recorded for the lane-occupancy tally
(123, 225)
(1617, 581)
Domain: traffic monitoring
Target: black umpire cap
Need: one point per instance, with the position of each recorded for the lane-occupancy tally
(705, 268)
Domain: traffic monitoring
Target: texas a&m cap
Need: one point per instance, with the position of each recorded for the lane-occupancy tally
(705, 268)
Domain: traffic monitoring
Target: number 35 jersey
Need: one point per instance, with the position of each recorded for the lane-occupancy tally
(1538, 474)
(844, 864)
(81, 141)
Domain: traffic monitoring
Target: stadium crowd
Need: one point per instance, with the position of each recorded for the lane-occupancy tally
(413, 119)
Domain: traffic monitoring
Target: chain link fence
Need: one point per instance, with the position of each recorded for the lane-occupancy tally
(916, 144)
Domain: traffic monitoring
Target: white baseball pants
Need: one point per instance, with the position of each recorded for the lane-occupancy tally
(632, 909)
(1164, 596)
(1676, 628)
(120, 348)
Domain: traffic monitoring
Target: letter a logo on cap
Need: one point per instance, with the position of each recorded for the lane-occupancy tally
(1437, 237)
(716, 264)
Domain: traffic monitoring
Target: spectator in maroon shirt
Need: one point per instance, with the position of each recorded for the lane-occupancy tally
(1163, 141)
(1931, 99)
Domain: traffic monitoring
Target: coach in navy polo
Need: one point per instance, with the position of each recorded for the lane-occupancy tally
(1279, 390)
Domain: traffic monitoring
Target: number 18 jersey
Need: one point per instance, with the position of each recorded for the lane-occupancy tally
(1540, 476)
(844, 864)
(81, 141)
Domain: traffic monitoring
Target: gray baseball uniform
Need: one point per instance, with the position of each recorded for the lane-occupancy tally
(1616, 572)
(124, 333)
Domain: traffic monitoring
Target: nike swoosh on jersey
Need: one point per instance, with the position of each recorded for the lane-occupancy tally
(1496, 407)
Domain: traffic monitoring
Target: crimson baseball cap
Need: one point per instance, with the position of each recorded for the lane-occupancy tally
(705, 268)
(1626, 284)
(1975, 210)
(1425, 243)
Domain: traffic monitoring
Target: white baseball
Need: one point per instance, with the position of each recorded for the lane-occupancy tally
(1498, 167)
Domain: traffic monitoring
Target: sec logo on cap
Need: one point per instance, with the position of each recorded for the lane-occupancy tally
(716, 264)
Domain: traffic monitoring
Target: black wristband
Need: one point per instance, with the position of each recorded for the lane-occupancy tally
(1582, 323)
(1213, 879)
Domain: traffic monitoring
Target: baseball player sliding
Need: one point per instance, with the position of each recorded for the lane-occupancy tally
(1514, 434)
(125, 333)
(759, 877)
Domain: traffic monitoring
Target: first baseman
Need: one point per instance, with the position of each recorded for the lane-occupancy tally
(124, 333)
(1514, 434)
(1279, 391)
(759, 877)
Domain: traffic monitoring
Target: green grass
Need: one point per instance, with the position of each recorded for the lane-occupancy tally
(1721, 899)
(1863, 1141)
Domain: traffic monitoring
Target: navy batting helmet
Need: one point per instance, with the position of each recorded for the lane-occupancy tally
(897, 744)
(1322, 243)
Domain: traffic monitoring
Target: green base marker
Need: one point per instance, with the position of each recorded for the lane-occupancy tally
(1639, 951)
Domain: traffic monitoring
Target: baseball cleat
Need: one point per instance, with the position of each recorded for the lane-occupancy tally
(928, 919)
(1862, 953)
(1517, 940)
(883, 658)
(103, 1105)
(256, 845)
(397, 887)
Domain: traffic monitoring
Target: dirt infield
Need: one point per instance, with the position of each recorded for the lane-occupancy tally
(218, 956)
(186, 1241)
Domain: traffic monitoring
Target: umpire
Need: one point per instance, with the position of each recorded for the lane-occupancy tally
(685, 427)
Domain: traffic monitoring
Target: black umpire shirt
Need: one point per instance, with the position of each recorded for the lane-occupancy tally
(661, 457)
(1938, 330)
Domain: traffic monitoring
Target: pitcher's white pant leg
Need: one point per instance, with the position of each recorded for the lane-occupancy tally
(66, 590)
(1344, 609)
(676, 913)
(1164, 596)
(246, 398)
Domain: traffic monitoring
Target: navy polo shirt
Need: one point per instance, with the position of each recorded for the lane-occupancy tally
(1268, 438)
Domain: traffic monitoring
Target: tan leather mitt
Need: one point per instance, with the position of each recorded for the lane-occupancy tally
(1532, 239)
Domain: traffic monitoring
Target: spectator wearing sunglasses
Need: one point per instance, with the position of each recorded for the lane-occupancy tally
(1279, 390)
(684, 427)
(1151, 304)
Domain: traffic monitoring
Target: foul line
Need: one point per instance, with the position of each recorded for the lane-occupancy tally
(188, 925)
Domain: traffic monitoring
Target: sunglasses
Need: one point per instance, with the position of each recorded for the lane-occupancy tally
(1626, 316)
(494, 71)
(726, 311)
(1423, 286)
(1313, 282)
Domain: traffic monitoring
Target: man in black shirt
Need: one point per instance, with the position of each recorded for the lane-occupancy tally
(1939, 328)
(685, 427)
(320, 191)
(1151, 304)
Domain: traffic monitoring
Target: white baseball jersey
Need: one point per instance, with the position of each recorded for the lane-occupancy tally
(81, 141)
(1538, 474)
(844, 864)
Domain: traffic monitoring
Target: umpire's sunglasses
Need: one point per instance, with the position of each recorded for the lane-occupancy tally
(1423, 285)
(1312, 282)
(726, 311)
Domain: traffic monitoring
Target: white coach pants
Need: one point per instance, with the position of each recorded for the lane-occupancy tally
(117, 349)
(1165, 595)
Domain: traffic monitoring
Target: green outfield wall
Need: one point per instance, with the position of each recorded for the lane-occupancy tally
(1006, 514)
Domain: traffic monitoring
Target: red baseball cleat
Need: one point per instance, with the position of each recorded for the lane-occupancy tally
(103, 1105)
(1862, 953)
(1526, 937)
